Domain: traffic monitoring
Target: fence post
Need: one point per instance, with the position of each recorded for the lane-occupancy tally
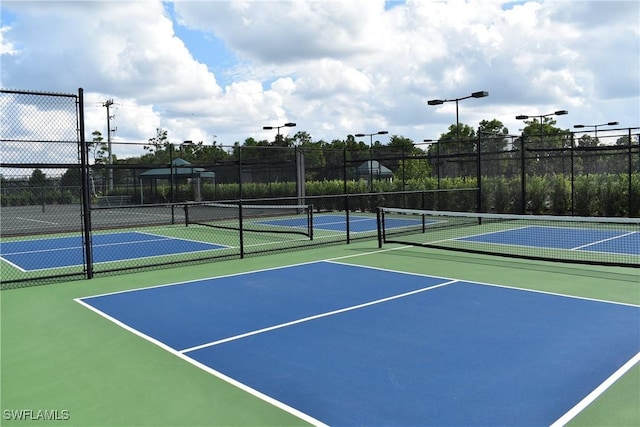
(86, 195)
(523, 173)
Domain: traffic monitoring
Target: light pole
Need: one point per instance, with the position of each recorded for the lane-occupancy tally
(437, 143)
(541, 117)
(370, 135)
(286, 125)
(480, 94)
(596, 126)
(522, 153)
(299, 160)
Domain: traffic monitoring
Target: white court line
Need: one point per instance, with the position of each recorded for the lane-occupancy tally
(13, 265)
(597, 392)
(314, 317)
(604, 240)
(37, 220)
(206, 368)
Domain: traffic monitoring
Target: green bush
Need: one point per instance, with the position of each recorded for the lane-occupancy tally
(612, 194)
(634, 196)
(536, 194)
(560, 197)
(595, 194)
(585, 196)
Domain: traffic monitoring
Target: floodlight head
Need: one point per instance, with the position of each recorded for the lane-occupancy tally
(359, 135)
(480, 94)
(522, 117)
(578, 126)
(267, 127)
(561, 113)
(289, 125)
(435, 102)
(383, 132)
(612, 123)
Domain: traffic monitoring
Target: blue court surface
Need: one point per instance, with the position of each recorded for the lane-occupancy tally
(345, 345)
(575, 239)
(40, 254)
(333, 222)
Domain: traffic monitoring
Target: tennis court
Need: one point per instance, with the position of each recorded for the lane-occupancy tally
(574, 239)
(356, 223)
(58, 252)
(439, 351)
(346, 335)
(140, 243)
(610, 241)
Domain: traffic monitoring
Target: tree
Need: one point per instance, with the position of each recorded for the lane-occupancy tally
(71, 181)
(456, 151)
(158, 148)
(98, 148)
(545, 146)
(37, 179)
(495, 155)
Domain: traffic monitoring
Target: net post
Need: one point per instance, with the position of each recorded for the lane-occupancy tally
(240, 223)
(379, 224)
(347, 210)
(310, 221)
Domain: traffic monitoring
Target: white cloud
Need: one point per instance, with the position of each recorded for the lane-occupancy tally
(333, 67)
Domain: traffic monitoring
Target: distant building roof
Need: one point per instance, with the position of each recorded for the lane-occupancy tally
(180, 169)
(374, 168)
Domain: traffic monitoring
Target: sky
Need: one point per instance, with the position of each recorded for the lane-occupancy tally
(220, 70)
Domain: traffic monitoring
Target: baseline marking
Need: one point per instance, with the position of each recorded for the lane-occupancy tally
(597, 392)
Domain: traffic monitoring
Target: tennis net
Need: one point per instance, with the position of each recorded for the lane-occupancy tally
(288, 219)
(586, 240)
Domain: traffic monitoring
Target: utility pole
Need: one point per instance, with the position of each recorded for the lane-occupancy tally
(108, 103)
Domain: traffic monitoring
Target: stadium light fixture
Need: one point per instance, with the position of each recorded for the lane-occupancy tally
(370, 135)
(479, 94)
(595, 127)
(541, 117)
(286, 125)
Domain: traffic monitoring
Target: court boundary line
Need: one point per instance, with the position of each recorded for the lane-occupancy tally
(631, 233)
(124, 291)
(16, 266)
(229, 380)
(337, 261)
(470, 237)
(496, 285)
(577, 249)
(315, 316)
(37, 220)
(597, 392)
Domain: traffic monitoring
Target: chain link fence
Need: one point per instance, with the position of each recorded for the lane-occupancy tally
(71, 211)
(41, 178)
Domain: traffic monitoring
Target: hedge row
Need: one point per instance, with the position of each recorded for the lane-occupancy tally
(593, 195)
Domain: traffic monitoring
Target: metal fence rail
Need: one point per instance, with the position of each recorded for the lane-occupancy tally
(56, 185)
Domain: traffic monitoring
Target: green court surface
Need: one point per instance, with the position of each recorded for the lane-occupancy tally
(59, 357)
